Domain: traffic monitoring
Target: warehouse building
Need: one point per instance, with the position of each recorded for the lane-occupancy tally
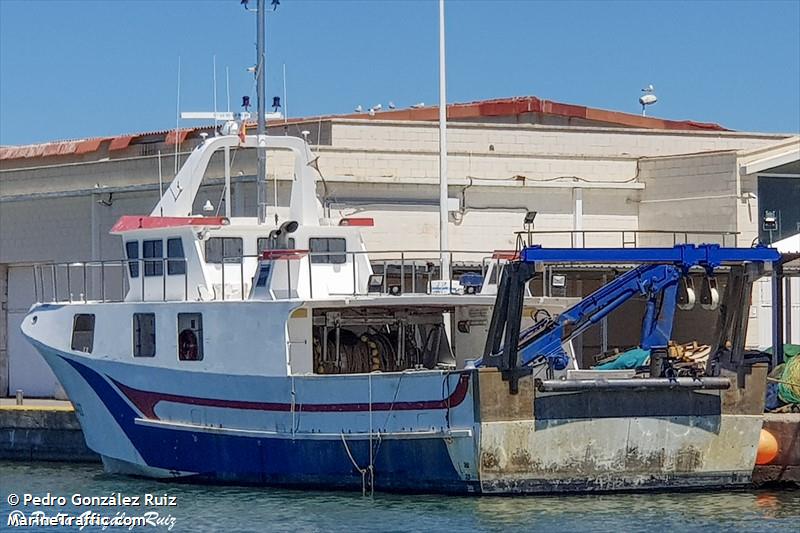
(593, 177)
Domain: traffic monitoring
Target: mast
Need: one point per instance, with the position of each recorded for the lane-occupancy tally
(443, 213)
(261, 130)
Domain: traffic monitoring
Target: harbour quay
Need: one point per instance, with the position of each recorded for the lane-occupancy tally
(47, 430)
(42, 430)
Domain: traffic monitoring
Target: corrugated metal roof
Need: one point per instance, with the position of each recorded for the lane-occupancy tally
(502, 107)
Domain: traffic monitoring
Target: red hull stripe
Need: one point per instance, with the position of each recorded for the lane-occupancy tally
(146, 402)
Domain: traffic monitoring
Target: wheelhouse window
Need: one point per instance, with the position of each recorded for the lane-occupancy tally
(83, 333)
(132, 251)
(317, 246)
(265, 243)
(144, 334)
(190, 336)
(176, 263)
(227, 248)
(153, 250)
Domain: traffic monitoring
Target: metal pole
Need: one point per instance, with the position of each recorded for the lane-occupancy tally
(228, 181)
(777, 315)
(443, 241)
(261, 175)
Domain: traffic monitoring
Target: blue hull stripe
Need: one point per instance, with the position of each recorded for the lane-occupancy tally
(408, 465)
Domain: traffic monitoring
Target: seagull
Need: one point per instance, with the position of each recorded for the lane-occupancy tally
(648, 89)
(418, 106)
(359, 109)
(391, 105)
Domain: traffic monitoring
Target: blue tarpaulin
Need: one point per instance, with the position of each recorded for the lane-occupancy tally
(633, 358)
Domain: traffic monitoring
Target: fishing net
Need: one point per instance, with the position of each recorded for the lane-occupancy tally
(789, 386)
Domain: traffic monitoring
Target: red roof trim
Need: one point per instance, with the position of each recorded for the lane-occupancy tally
(120, 143)
(464, 111)
(90, 145)
(176, 136)
(133, 222)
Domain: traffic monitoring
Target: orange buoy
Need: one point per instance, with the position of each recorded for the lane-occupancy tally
(767, 448)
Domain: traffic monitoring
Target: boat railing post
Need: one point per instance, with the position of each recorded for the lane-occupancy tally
(288, 279)
(55, 282)
(163, 280)
(69, 281)
(141, 275)
(35, 286)
(84, 282)
(310, 277)
(223, 275)
(338, 340)
(185, 281)
(241, 277)
(402, 272)
(353, 259)
(103, 281)
(413, 277)
(385, 277)
(123, 280)
(325, 340)
(544, 281)
(450, 273)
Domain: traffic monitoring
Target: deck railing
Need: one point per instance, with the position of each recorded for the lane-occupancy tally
(624, 238)
(403, 271)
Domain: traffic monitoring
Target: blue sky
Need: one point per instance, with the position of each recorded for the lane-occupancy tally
(74, 69)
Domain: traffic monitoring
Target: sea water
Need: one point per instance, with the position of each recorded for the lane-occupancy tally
(118, 503)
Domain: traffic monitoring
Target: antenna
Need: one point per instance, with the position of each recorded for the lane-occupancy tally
(228, 87)
(261, 130)
(177, 115)
(214, 62)
(160, 183)
(648, 98)
(285, 103)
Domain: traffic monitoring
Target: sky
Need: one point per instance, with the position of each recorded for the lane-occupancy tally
(76, 69)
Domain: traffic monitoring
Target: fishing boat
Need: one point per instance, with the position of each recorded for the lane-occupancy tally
(275, 354)
(279, 354)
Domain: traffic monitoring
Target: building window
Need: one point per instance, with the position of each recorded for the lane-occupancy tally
(229, 248)
(265, 243)
(319, 245)
(144, 334)
(132, 251)
(177, 263)
(152, 250)
(83, 333)
(190, 336)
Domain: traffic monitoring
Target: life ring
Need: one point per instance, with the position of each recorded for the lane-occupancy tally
(187, 345)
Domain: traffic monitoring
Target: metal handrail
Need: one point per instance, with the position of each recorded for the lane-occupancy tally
(92, 290)
(622, 234)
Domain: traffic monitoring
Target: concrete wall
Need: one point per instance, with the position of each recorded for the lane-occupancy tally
(689, 192)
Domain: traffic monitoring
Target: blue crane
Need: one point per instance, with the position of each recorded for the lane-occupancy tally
(658, 277)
